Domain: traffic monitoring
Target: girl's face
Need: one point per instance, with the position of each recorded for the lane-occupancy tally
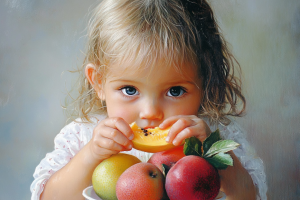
(148, 97)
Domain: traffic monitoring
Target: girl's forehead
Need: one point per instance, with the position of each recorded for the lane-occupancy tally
(157, 70)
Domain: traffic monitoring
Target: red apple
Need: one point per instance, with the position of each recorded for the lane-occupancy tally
(141, 181)
(168, 158)
(192, 178)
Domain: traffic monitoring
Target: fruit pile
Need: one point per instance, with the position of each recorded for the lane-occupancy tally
(184, 172)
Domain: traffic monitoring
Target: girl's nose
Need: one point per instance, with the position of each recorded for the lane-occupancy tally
(151, 110)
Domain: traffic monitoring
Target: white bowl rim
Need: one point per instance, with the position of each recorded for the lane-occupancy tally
(84, 193)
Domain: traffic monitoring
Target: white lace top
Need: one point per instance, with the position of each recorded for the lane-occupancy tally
(74, 136)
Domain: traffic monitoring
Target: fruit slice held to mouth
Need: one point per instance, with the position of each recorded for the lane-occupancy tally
(150, 140)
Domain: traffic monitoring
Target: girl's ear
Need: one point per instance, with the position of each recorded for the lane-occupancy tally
(95, 79)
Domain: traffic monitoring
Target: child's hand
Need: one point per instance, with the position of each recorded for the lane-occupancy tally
(185, 126)
(110, 136)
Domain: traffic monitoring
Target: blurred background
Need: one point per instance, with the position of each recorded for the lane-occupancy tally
(41, 40)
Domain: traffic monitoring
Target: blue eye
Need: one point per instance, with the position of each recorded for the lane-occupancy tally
(176, 91)
(129, 91)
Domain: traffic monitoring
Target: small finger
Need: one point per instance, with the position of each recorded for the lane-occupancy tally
(185, 133)
(121, 125)
(177, 127)
(169, 122)
(117, 136)
(109, 144)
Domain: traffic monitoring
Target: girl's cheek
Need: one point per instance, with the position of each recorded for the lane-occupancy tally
(125, 112)
(186, 108)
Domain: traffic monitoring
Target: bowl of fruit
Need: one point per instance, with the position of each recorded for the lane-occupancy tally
(185, 172)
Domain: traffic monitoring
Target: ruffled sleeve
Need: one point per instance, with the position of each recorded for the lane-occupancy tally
(247, 156)
(67, 144)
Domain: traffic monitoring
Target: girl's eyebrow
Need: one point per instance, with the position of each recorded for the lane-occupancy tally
(167, 83)
(181, 82)
(123, 80)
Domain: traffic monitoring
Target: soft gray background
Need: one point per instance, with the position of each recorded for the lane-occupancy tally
(41, 40)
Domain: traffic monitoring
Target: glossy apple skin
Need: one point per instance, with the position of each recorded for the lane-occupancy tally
(192, 178)
(169, 157)
(141, 181)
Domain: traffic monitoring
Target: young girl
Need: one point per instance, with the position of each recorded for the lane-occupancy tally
(157, 63)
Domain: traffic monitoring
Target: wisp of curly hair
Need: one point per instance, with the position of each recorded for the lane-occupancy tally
(175, 31)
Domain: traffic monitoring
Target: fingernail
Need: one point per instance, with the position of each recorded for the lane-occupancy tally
(167, 138)
(131, 137)
(129, 146)
(174, 142)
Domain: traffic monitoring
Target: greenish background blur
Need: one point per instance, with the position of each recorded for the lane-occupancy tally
(40, 40)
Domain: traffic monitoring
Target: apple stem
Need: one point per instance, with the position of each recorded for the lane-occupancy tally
(153, 175)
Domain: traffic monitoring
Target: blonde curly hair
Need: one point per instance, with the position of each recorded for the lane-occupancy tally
(146, 31)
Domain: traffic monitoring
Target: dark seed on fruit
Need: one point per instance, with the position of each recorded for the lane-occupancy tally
(146, 134)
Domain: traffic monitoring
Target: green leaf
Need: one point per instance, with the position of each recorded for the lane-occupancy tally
(224, 158)
(212, 138)
(192, 146)
(221, 146)
(220, 160)
(165, 169)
